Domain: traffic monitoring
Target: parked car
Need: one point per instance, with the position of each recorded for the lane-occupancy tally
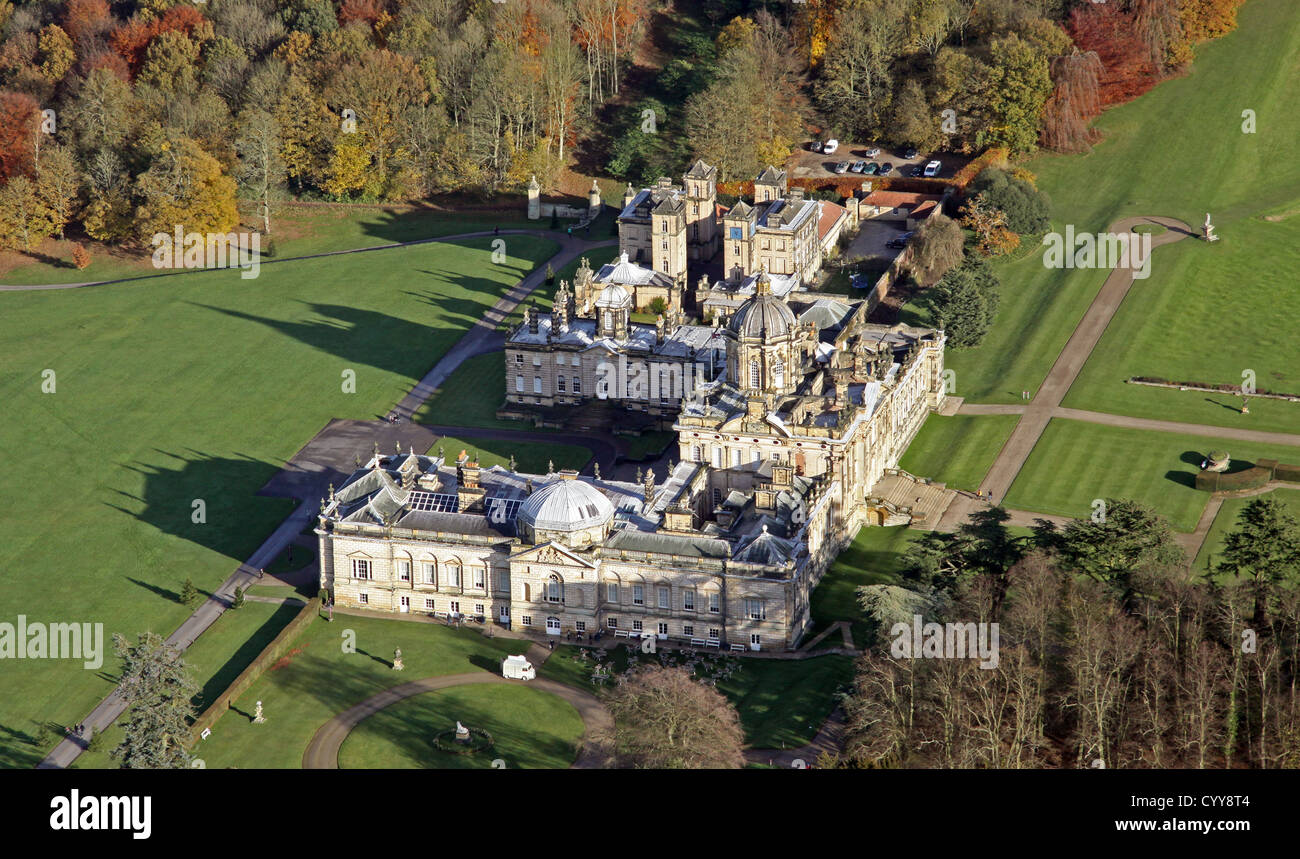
(815, 146)
(916, 170)
(858, 166)
(932, 169)
(841, 167)
(896, 243)
(909, 152)
(830, 146)
(872, 152)
(870, 169)
(886, 168)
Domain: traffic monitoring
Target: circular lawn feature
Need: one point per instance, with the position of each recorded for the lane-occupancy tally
(530, 729)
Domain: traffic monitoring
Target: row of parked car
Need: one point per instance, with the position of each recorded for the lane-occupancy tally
(871, 168)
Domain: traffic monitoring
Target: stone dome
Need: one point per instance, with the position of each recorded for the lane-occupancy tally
(614, 295)
(763, 316)
(566, 505)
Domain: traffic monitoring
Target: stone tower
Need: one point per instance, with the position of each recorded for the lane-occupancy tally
(701, 183)
(594, 203)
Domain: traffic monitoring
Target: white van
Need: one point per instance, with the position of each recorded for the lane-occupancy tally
(932, 169)
(518, 668)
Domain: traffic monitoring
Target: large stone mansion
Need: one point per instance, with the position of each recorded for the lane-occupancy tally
(799, 409)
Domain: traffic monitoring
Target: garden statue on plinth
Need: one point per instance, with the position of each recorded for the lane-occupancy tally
(258, 718)
(397, 660)
(462, 733)
(1207, 230)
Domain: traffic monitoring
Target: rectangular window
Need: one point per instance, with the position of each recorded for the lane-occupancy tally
(453, 577)
(688, 630)
(360, 569)
(537, 360)
(663, 629)
(519, 384)
(480, 578)
(478, 608)
(638, 595)
(611, 592)
(580, 626)
(519, 357)
(365, 599)
(754, 609)
(664, 595)
(537, 384)
(455, 607)
(715, 634)
(560, 385)
(756, 640)
(526, 620)
(404, 570)
(611, 622)
(715, 603)
(430, 574)
(688, 600)
(429, 604)
(637, 626)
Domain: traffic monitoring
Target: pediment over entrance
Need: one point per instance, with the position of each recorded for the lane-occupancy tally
(550, 553)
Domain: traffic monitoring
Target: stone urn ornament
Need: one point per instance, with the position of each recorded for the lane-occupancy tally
(398, 665)
(258, 718)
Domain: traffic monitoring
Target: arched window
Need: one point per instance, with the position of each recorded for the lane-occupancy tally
(778, 371)
(754, 377)
(554, 589)
(528, 592)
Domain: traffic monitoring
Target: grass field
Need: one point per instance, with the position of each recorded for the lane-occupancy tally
(1198, 319)
(214, 661)
(958, 450)
(532, 457)
(1142, 167)
(192, 388)
(317, 680)
(1075, 463)
(530, 729)
(873, 558)
(1226, 521)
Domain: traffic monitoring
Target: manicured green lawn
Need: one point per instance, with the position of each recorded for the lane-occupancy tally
(780, 702)
(1152, 146)
(1076, 462)
(1212, 549)
(471, 396)
(1208, 313)
(649, 444)
(873, 558)
(530, 729)
(193, 388)
(532, 457)
(317, 680)
(214, 661)
(958, 450)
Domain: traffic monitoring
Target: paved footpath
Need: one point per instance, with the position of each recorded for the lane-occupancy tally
(1071, 360)
(305, 479)
(323, 750)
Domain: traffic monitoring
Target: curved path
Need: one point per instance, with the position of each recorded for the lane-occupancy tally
(323, 750)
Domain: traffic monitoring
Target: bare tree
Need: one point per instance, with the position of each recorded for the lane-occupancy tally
(664, 718)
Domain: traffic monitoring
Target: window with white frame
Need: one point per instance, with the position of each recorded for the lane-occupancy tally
(478, 608)
(519, 384)
(688, 630)
(714, 634)
(364, 598)
(430, 570)
(754, 376)
(611, 592)
(561, 386)
(580, 626)
(638, 595)
(688, 599)
(480, 578)
(537, 384)
(778, 372)
(361, 569)
(577, 384)
(554, 590)
(404, 570)
(664, 597)
(754, 609)
(429, 603)
(453, 575)
(519, 357)
(537, 360)
(526, 620)
(455, 607)
(697, 454)
(611, 622)
(715, 603)
(755, 639)
(663, 629)
(637, 626)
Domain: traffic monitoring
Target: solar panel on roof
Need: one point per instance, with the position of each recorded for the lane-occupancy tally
(432, 502)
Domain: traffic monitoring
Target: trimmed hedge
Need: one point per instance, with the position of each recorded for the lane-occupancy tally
(1213, 386)
(1290, 473)
(991, 158)
(272, 652)
(1251, 478)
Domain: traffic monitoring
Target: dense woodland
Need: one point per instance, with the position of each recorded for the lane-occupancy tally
(121, 119)
(1112, 654)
